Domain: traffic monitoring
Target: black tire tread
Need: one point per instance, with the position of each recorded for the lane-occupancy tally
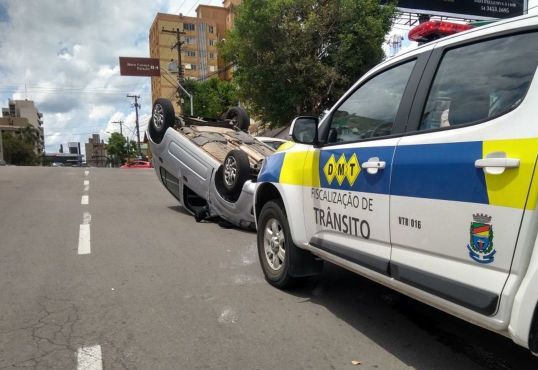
(242, 118)
(169, 120)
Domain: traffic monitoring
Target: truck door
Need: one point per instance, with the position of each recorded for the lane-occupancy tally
(462, 174)
(346, 204)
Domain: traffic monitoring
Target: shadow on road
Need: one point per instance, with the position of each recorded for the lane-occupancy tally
(213, 220)
(405, 327)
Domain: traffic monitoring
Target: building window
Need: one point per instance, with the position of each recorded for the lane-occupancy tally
(210, 29)
(212, 42)
(189, 40)
(190, 53)
(211, 55)
(212, 68)
(188, 26)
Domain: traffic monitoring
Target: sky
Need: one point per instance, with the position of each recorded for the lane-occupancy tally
(63, 54)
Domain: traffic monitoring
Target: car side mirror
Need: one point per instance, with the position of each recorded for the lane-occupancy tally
(304, 130)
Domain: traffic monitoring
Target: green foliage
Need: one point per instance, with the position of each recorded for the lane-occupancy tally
(297, 57)
(119, 149)
(211, 97)
(19, 148)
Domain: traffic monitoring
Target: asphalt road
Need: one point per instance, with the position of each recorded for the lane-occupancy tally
(156, 290)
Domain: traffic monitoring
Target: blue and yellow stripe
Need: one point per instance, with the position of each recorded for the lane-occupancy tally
(433, 171)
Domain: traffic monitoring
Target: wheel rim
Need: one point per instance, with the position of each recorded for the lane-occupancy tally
(274, 244)
(233, 119)
(230, 171)
(158, 116)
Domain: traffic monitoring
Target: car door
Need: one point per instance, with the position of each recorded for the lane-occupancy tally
(461, 177)
(346, 204)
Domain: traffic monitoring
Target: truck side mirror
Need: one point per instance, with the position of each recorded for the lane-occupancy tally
(304, 130)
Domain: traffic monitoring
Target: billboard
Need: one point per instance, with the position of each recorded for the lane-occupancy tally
(467, 9)
(146, 67)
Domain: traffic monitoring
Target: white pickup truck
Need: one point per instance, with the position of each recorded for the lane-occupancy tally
(422, 178)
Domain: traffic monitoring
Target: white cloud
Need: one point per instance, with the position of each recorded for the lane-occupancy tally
(100, 111)
(67, 60)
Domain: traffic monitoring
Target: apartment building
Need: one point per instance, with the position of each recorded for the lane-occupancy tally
(21, 113)
(199, 58)
(96, 154)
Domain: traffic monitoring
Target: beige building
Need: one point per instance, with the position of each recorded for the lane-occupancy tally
(96, 152)
(21, 113)
(199, 57)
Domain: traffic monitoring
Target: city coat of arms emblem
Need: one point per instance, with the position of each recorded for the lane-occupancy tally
(481, 244)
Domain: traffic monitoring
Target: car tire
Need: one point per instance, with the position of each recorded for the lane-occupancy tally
(235, 171)
(274, 245)
(162, 117)
(239, 118)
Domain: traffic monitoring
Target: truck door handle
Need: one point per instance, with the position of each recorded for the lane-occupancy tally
(495, 163)
(373, 165)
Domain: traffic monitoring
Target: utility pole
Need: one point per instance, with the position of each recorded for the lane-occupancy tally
(177, 46)
(136, 105)
(120, 122)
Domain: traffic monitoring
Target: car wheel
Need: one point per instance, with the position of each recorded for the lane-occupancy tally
(239, 118)
(162, 117)
(235, 171)
(274, 245)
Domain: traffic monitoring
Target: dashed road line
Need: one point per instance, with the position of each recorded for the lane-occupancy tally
(90, 358)
(86, 218)
(86, 173)
(84, 245)
(85, 199)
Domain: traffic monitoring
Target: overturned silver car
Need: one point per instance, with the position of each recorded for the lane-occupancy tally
(208, 165)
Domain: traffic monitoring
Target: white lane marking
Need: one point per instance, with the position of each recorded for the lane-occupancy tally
(84, 246)
(86, 182)
(86, 173)
(90, 358)
(86, 188)
(85, 199)
(86, 218)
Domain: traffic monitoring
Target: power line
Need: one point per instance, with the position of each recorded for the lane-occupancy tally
(217, 72)
(66, 91)
(179, 8)
(196, 3)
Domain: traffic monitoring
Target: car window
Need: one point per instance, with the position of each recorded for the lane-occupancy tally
(479, 81)
(371, 110)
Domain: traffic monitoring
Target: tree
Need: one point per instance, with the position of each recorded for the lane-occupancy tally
(211, 97)
(17, 151)
(30, 135)
(119, 149)
(297, 57)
